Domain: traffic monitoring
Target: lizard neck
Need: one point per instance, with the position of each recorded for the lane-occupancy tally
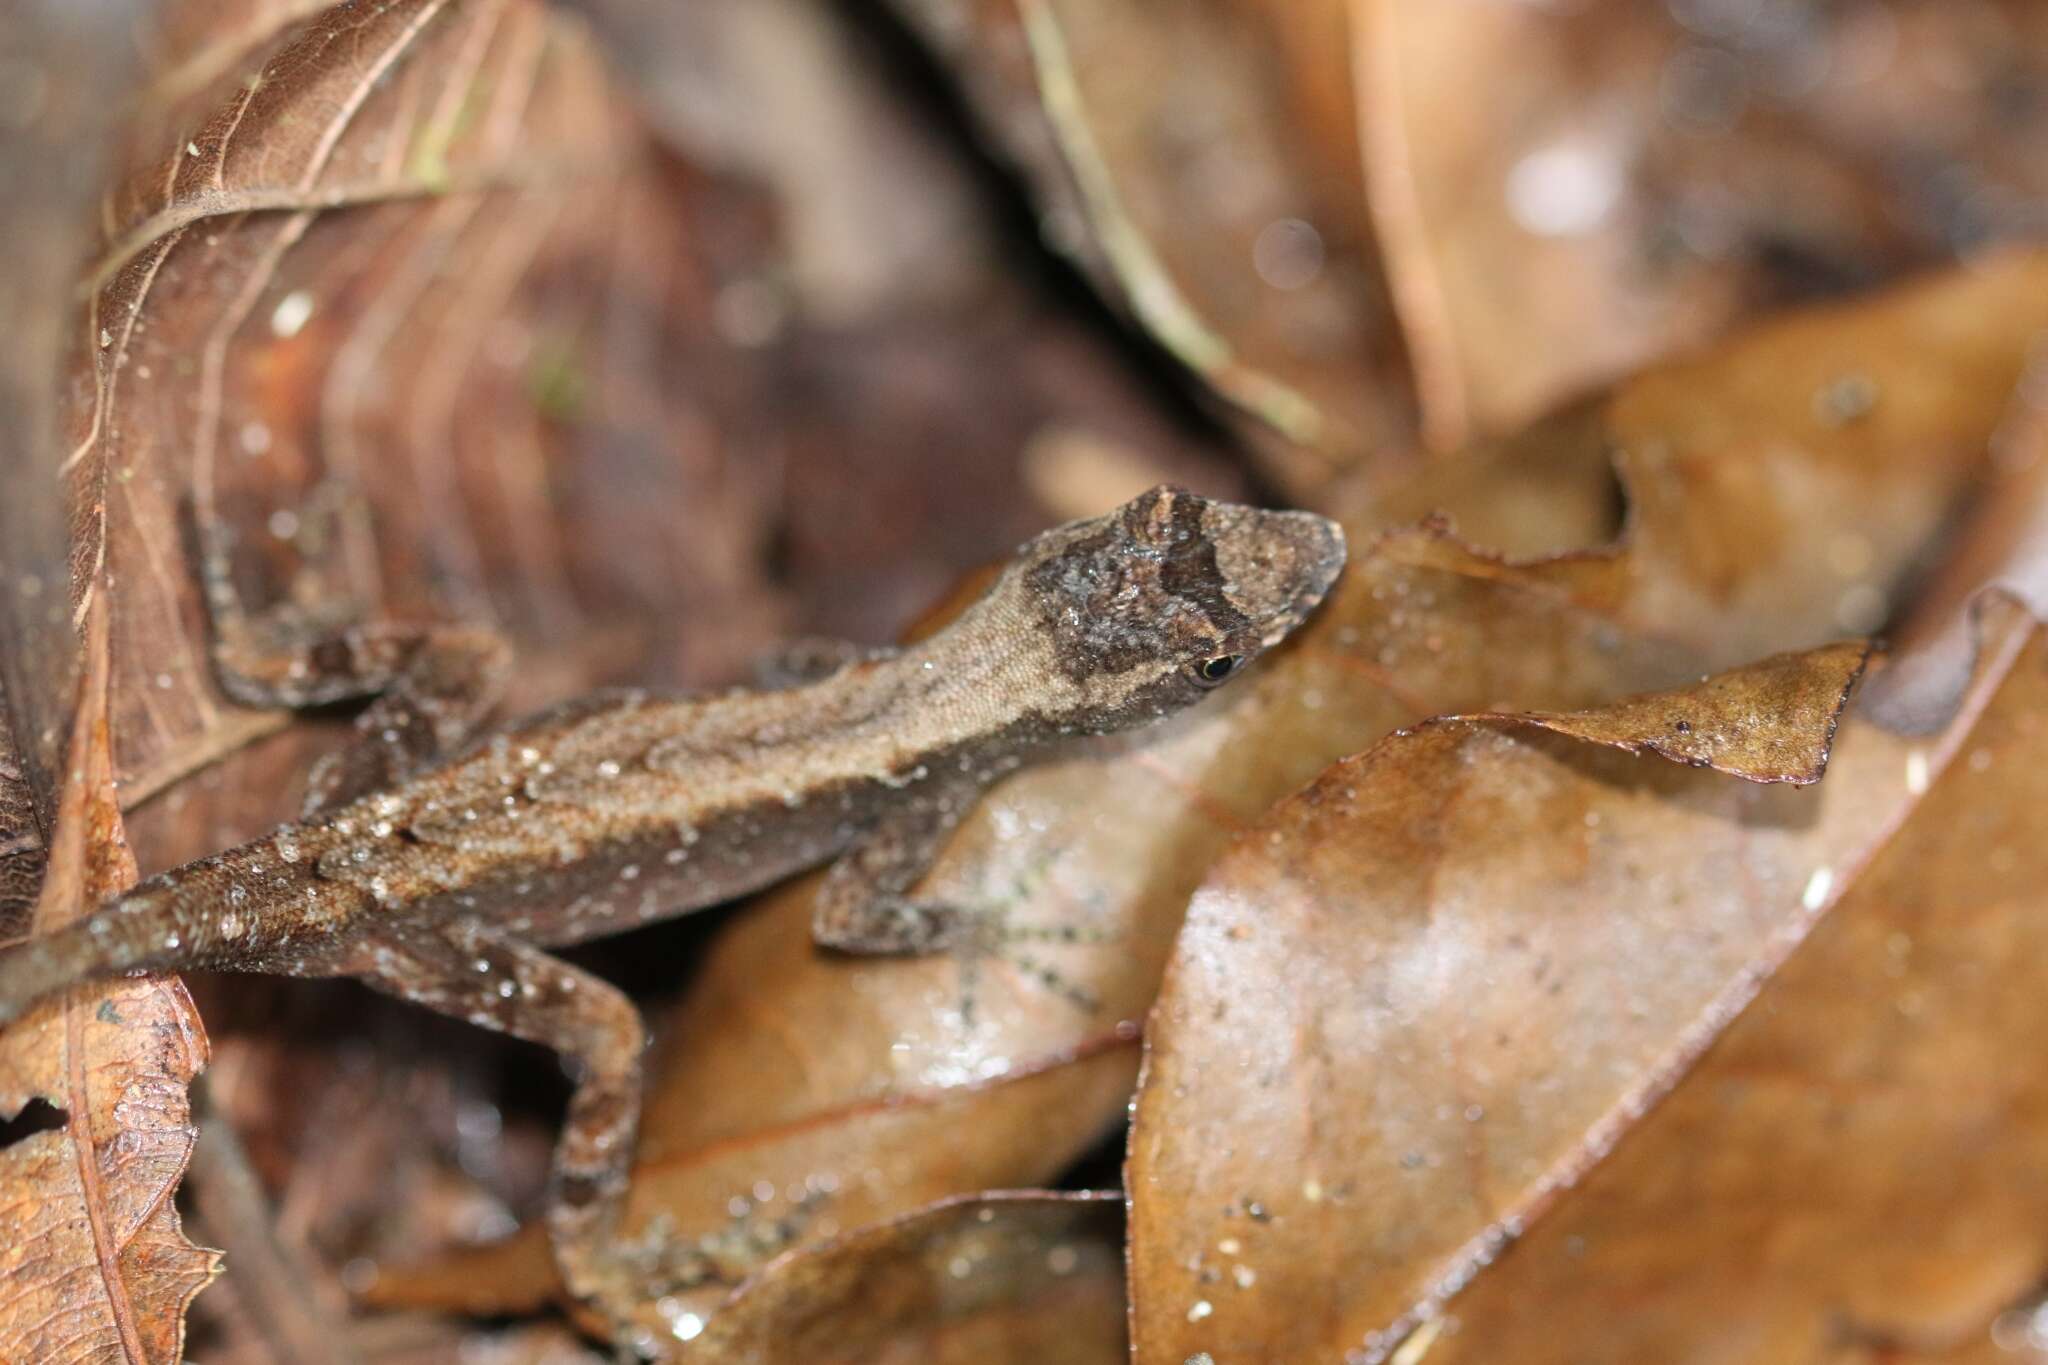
(984, 683)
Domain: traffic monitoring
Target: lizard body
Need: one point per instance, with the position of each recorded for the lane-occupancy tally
(443, 880)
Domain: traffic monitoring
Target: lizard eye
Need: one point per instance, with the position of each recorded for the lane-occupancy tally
(1209, 672)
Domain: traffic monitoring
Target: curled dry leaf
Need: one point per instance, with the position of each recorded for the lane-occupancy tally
(997, 1279)
(1410, 1013)
(852, 1090)
(1760, 514)
(1362, 220)
(94, 1265)
(1770, 721)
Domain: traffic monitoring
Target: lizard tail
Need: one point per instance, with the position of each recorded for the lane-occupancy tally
(139, 931)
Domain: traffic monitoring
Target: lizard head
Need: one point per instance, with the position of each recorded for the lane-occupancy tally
(1148, 607)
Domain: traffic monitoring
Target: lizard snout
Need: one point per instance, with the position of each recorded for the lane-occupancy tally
(1277, 566)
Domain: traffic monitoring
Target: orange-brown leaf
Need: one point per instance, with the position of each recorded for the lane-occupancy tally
(1857, 1162)
(1437, 987)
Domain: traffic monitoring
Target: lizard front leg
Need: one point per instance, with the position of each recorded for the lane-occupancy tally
(474, 973)
(863, 905)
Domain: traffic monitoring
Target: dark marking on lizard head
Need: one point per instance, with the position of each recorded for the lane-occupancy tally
(1168, 595)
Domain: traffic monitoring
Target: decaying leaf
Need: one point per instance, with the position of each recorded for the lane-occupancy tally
(1418, 1005)
(93, 1265)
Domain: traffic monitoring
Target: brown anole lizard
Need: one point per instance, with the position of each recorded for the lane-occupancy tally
(442, 874)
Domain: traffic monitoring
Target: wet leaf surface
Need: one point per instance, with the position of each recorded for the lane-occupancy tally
(1409, 1014)
(1857, 1157)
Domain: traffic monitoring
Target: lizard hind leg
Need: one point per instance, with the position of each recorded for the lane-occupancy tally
(470, 972)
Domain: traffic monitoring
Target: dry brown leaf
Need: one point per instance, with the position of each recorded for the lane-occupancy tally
(1437, 987)
(1759, 514)
(1770, 721)
(95, 1266)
